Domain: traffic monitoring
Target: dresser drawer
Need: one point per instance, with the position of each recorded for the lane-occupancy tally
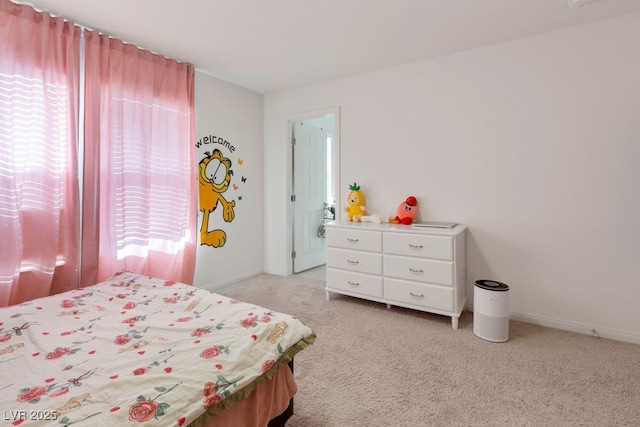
(419, 245)
(362, 262)
(361, 240)
(423, 295)
(419, 269)
(364, 284)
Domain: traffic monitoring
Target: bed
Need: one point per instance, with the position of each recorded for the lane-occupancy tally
(138, 350)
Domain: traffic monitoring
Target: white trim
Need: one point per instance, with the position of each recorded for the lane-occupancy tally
(214, 286)
(575, 327)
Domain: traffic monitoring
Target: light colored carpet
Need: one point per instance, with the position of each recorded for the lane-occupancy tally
(373, 366)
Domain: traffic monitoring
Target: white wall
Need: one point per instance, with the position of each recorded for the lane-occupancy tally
(533, 144)
(235, 115)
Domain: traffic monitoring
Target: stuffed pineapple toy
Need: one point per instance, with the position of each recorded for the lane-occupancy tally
(356, 208)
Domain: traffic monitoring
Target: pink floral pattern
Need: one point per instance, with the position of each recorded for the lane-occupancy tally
(141, 371)
(268, 365)
(141, 341)
(31, 394)
(211, 352)
(198, 332)
(146, 409)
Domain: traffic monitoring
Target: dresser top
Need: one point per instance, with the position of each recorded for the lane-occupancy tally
(397, 228)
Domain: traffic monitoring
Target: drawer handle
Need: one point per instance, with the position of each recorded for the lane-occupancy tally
(350, 240)
(416, 271)
(416, 295)
(415, 246)
(352, 262)
(353, 283)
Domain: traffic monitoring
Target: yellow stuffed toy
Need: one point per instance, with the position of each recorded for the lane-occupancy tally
(356, 208)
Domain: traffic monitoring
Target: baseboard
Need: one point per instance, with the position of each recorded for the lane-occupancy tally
(214, 286)
(576, 327)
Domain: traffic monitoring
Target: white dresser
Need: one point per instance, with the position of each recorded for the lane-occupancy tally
(418, 268)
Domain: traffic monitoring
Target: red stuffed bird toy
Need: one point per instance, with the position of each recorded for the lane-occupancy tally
(406, 212)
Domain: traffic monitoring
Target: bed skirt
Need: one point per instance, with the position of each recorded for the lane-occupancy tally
(271, 403)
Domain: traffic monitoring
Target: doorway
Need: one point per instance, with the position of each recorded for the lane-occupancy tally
(314, 193)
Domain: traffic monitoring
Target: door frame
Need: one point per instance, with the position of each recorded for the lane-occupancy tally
(335, 111)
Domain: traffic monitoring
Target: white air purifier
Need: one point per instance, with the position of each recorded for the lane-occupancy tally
(491, 310)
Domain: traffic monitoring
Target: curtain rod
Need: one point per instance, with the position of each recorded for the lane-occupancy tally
(88, 28)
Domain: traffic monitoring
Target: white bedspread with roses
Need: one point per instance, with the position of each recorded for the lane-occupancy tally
(135, 350)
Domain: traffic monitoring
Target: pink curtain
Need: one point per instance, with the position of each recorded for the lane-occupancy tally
(39, 62)
(140, 200)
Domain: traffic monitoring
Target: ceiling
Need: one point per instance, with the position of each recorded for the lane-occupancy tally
(274, 45)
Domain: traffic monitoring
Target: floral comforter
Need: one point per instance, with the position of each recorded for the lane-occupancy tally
(135, 350)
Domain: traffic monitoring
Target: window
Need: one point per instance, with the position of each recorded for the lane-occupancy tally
(151, 204)
(138, 185)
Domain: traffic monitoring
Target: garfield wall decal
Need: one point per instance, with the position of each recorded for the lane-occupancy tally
(219, 190)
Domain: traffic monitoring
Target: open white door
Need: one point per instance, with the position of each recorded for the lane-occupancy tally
(309, 194)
